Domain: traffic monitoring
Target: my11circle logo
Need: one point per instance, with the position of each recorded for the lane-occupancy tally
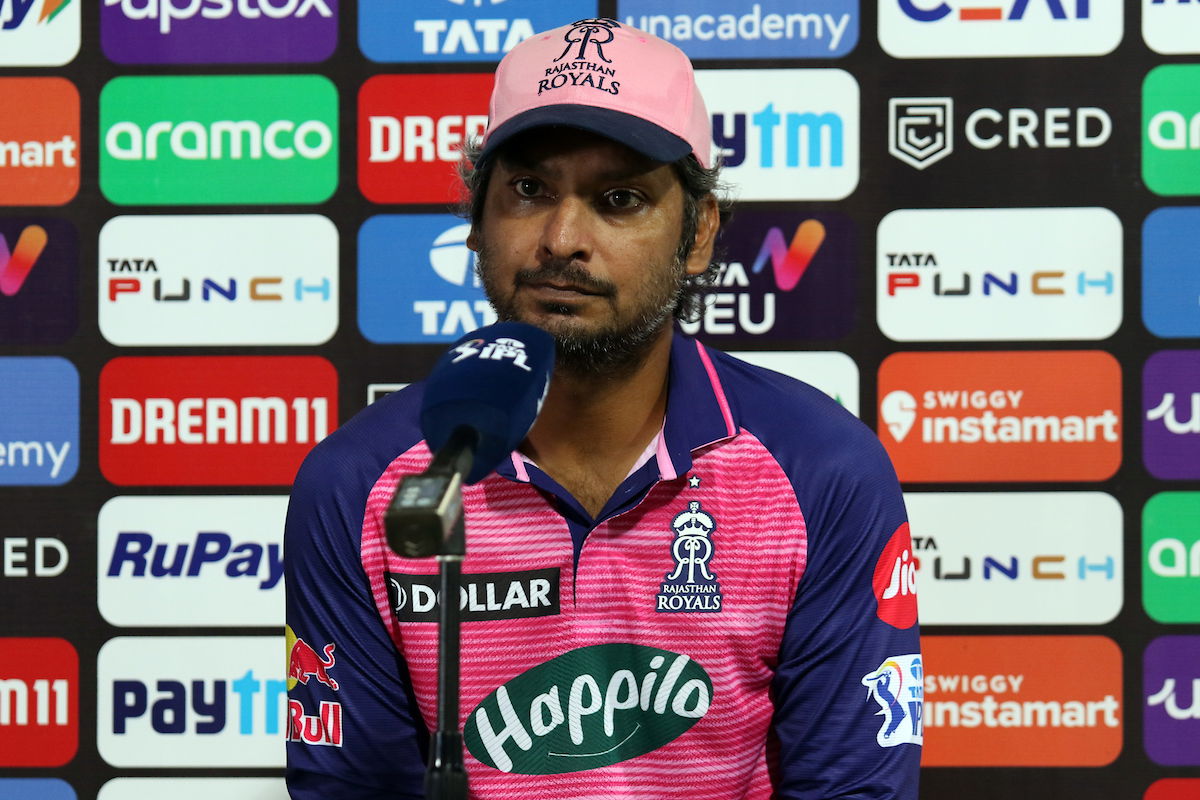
(589, 708)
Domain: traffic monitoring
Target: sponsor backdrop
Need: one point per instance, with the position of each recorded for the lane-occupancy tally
(226, 227)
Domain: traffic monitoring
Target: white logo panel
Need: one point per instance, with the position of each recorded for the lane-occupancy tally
(1001, 274)
(984, 28)
(39, 33)
(165, 561)
(785, 134)
(1171, 27)
(176, 701)
(833, 373)
(194, 789)
(218, 280)
(1017, 558)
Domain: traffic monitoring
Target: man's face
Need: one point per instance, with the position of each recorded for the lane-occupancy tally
(579, 236)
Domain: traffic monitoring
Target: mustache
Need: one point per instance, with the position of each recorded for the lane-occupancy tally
(565, 271)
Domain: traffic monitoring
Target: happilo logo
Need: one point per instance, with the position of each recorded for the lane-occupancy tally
(39, 280)
(834, 373)
(39, 703)
(171, 140)
(1171, 414)
(1171, 557)
(921, 129)
(218, 31)
(898, 688)
(226, 279)
(1062, 565)
(411, 129)
(1171, 688)
(1171, 27)
(982, 28)
(180, 701)
(39, 33)
(458, 30)
(176, 561)
(744, 29)
(997, 416)
(39, 421)
(967, 274)
(789, 134)
(1021, 701)
(39, 141)
(1171, 129)
(894, 581)
(213, 420)
(782, 277)
(434, 297)
(589, 708)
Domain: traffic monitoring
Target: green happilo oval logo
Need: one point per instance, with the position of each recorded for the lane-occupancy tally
(589, 708)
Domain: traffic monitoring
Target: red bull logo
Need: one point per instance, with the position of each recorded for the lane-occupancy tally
(304, 662)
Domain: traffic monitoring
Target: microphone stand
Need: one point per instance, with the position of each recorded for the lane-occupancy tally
(426, 518)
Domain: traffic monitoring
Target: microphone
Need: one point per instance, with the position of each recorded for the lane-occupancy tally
(481, 399)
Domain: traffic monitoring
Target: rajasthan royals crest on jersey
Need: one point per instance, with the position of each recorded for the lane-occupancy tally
(691, 586)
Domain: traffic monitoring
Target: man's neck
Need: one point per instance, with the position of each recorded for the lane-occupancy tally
(592, 428)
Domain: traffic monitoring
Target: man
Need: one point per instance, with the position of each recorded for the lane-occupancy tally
(693, 580)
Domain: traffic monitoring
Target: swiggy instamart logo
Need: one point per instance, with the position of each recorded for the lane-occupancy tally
(233, 139)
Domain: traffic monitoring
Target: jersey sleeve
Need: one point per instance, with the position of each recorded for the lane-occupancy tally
(353, 730)
(849, 686)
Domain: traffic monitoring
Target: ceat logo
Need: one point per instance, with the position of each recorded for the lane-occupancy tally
(204, 420)
(997, 416)
(411, 129)
(39, 703)
(39, 141)
(895, 581)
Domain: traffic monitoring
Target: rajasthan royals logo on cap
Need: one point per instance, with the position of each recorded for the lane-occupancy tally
(691, 586)
(585, 32)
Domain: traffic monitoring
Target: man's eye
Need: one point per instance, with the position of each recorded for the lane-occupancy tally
(527, 187)
(622, 198)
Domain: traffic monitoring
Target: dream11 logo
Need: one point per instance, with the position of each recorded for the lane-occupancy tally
(808, 292)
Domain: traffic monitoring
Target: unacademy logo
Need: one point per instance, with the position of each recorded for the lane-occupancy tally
(589, 708)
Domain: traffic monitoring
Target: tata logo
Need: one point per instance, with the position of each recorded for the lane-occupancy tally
(458, 30)
(436, 298)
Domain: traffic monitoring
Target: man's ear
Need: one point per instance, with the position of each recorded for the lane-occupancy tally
(708, 219)
(473, 240)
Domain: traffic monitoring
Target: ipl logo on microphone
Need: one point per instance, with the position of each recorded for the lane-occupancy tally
(499, 350)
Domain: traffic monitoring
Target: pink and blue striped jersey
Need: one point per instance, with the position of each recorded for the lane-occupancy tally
(738, 622)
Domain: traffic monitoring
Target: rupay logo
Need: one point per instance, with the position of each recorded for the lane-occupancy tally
(228, 139)
(38, 32)
(976, 28)
(1171, 129)
(437, 299)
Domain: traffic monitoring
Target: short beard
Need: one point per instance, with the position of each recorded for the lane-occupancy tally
(612, 352)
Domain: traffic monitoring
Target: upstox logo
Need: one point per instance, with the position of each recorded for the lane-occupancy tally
(789, 134)
(1171, 129)
(435, 297)
(967, 28)
(589, 708)
(37, 33)
(229, 139)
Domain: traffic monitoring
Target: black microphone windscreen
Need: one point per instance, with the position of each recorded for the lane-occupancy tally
(493, 380)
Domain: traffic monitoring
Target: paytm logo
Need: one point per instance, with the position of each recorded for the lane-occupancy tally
(218, 31)
(1171, 129)
(39, 421)
(784, 279)
(786, 135)
(435, 297)
(1170, 278)
(1018, 558)
(174, 701)
(170, 140)
(1171, 27)
(172, 561)
(218, 280)
(742, 29)
(39, 33)
(967, 274)
(452, 30)
(978, 28)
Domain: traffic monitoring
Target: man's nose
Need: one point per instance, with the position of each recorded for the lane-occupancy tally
(567, 230)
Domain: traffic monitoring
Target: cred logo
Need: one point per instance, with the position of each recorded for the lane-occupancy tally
(39, 703)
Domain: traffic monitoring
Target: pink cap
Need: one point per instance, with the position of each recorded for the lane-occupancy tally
(601, 76)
